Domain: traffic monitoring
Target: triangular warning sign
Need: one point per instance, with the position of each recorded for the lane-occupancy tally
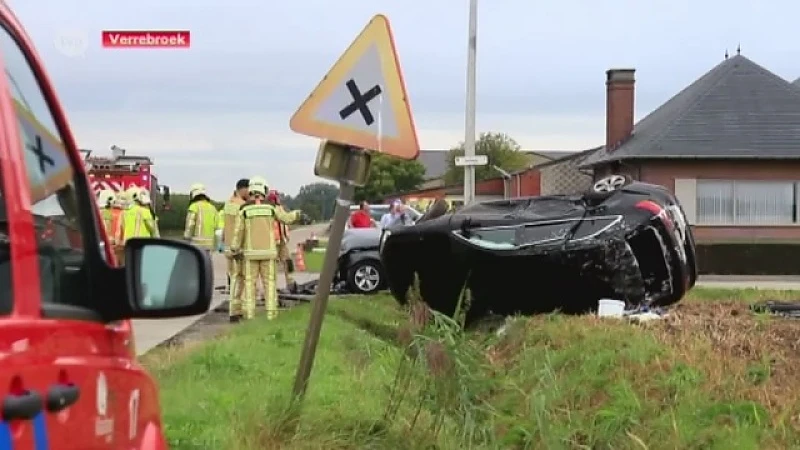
(362, 101)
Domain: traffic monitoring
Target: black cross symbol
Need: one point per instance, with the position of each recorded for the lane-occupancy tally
(360, 102)
(37, 150)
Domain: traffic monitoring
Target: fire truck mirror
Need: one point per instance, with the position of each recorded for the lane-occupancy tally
(166, 194)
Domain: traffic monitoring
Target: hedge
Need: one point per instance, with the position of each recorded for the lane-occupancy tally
(748, 258)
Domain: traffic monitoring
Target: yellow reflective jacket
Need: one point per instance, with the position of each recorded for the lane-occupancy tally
(201, 223)
(108, 218)
(138, 221)
(254, 233)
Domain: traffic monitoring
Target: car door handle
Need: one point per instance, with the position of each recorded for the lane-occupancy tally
(61, 396)
(23, 406)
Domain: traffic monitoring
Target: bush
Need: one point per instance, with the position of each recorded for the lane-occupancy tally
(748, 258)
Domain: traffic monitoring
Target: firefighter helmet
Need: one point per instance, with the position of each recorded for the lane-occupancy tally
(196, 189)
(144, 197)
(105, 197)
(133, 193)
(120, 199)
(258, 185)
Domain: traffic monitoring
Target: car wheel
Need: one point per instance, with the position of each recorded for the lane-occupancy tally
(606, 187)
(365, 277)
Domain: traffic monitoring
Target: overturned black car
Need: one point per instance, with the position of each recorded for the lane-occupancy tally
(622, 240)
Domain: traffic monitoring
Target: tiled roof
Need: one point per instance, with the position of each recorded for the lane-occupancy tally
(736, 110)
(435, 162)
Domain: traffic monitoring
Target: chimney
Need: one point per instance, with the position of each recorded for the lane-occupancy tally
(619, 106)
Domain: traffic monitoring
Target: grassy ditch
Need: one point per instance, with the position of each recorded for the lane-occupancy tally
(314, 261)
(711, 375)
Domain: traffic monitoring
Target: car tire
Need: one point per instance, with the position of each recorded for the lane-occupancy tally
(606, 187)
(365, 277)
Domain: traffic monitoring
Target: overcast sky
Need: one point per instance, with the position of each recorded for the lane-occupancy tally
(220, 110)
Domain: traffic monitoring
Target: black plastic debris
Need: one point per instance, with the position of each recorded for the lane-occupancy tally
(786, 309)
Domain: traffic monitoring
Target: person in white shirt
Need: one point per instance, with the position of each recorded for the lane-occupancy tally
(396, 215)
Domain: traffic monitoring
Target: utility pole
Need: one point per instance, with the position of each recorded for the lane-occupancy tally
(469, 137)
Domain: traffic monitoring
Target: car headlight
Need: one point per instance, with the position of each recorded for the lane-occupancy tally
(384, 235)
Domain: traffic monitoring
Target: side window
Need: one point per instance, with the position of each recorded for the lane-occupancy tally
(51, 179)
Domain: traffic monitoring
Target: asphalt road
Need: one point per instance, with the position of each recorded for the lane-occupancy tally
(150, 333)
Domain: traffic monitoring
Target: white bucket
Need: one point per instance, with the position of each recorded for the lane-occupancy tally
(610, 308)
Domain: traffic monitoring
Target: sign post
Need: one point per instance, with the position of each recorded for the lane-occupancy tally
(469, 128)
(361, 105)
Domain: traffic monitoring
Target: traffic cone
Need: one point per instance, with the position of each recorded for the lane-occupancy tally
(300, 259)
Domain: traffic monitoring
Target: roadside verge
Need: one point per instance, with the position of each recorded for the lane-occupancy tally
(711, 375)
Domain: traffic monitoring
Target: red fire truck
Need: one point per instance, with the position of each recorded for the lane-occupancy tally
(121, 171)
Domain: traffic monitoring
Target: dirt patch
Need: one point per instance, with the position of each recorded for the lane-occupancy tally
(727, 337)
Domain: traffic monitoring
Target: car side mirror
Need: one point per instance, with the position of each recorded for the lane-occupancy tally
(167, 278)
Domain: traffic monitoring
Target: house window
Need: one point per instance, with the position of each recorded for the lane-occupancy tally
(722, 202)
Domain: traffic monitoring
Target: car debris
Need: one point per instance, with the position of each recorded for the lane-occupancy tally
(783, 309)
(621, 239)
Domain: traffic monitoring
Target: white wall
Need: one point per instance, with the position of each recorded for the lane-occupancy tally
(686, 193)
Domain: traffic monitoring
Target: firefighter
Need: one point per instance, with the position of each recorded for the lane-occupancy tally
(137, 220)
(282, 231)
(201, 218)
(121, 203)
(117, 208)
(105, 201)
(225, 227)
(255, 242)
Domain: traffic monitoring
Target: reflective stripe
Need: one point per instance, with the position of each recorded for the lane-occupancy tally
(265, 254)
(259, 211)
(198, 222)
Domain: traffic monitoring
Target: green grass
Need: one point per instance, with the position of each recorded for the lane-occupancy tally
(314, 261)
(710, 376)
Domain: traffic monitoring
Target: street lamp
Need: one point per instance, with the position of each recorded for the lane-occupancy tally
(469, 138)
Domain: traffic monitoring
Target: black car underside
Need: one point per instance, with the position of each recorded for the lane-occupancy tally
(566, 263)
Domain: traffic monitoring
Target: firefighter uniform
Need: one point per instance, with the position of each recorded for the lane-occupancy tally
(117, 218)
(201, 219)
(254, 240)
(226, 223)
(137, 220)
(282, 231)
(105, 201)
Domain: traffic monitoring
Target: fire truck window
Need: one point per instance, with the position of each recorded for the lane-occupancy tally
(50, 176)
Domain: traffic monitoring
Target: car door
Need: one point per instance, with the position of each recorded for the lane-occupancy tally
(69, 356)
(22, 382)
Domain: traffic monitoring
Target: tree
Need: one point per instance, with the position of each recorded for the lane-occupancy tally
(389, 176)
(502, 151)
(174, 218)
(317, 200)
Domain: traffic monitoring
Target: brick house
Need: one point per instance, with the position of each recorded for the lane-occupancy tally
(555, 164)
(728, 145)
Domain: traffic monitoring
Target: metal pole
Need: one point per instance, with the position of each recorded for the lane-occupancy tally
(469, 138)
(320, 303)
